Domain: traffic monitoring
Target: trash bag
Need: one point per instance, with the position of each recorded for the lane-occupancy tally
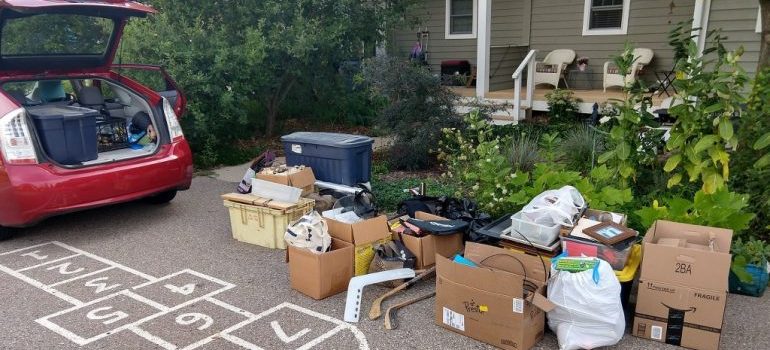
(309, 232)
(588, 312)
(562, 207)
(452, 209)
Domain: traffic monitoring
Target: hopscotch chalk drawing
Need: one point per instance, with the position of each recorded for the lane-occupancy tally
(177, 311)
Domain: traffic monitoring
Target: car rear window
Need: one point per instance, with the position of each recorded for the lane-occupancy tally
(55, 34)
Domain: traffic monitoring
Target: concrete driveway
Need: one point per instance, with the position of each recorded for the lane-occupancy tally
(137, 276)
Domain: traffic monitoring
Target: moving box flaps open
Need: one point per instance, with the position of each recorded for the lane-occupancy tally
(363, 235)
(300, 178)
(321, 275)
(687, 255)
(425, 248)
(490, 303)
(362, 232)
(683, 285)
(530, 266)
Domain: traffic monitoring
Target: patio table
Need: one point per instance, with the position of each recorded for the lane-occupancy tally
(579, 80)
(665, 81)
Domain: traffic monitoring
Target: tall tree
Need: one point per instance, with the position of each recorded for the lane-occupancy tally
(240, 61)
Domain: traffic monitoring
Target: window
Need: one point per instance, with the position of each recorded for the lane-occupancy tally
(606, 17)
(460, 19)
(56, 34)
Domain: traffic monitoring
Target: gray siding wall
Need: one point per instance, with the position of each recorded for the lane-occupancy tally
(737, 19)
(506, 30)
(504, 60)
(558, 24)
(431, 16)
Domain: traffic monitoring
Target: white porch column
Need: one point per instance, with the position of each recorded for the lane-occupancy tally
(700, 22)
(482, 47)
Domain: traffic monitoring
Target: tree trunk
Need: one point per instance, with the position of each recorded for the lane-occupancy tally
(272, 112)
(764, 50)
(273, 103)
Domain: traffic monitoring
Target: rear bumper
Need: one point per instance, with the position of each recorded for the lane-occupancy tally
(30, 193)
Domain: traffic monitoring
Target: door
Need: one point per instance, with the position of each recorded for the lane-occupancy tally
(157, 79)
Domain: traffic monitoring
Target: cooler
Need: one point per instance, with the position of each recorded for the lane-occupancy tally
(68, 133)
(336, 158)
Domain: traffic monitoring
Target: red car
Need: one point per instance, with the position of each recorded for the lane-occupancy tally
(76, 130)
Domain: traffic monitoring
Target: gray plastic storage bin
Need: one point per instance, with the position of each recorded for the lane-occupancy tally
(336, 158)
(68, 133)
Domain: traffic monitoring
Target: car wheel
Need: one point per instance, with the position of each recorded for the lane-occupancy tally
(5, 233)
(161, 198)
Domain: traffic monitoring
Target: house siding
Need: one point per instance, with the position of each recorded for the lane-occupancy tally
(737, 20)
(504, 61)
(506, 30)
(558, 24)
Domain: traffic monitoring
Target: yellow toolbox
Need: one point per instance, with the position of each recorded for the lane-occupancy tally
(261, 221)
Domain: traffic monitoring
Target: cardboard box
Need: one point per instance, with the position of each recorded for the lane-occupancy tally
(703, 263)
(683, 284)
(321, 275)
(425, 248)
(294, 177)
(490, 303)
(679, 315)
(362, 235)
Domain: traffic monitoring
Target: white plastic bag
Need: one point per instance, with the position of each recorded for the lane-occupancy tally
(588, 314)
(309, 232)
(560, 207)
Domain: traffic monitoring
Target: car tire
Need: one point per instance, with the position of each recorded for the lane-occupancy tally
(6, 233)
(161, 198)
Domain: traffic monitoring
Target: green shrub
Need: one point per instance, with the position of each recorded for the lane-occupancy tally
(721, 209)
(523, 152)
(476, 163)
(415, 110)
(389, 193)
(747, 177)
(580, 147)
(562, 105)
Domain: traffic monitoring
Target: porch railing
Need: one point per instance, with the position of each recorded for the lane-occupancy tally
(529, 63)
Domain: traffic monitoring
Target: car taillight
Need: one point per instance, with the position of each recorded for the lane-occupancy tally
(174, 129)
(16, 139)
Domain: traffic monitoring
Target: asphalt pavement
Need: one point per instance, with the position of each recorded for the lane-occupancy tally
(139, 276)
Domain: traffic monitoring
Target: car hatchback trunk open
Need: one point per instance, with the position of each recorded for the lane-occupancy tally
(75, 125)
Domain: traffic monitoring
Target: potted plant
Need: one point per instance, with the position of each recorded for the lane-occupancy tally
(748, 272)
(582, 63)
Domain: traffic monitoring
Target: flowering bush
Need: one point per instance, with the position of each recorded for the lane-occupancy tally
(562, 105)
(476, 163)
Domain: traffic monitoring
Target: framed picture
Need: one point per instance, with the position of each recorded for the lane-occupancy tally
(609, 233)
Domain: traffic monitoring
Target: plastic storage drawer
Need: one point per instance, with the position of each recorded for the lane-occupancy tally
(538, 234)
(583, 247)
(68, 133)
(336, 158)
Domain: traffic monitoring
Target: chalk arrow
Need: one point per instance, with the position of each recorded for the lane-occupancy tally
(282, 335)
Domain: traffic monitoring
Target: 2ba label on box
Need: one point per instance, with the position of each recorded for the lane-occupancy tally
(683, 268)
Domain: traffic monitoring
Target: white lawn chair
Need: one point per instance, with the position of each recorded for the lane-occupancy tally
(552, 68)
(611, 76)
